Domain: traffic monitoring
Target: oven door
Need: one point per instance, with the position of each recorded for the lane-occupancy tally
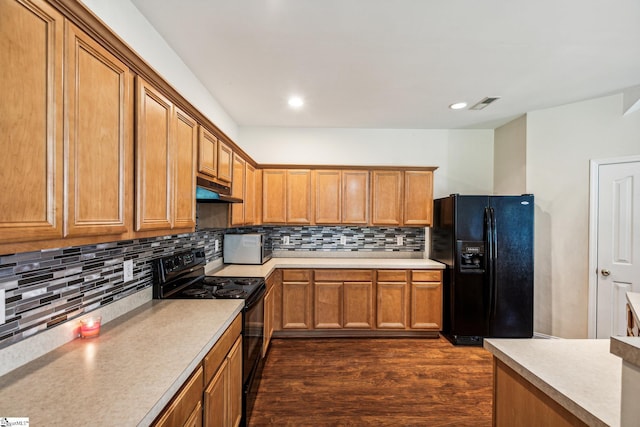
(252, 336)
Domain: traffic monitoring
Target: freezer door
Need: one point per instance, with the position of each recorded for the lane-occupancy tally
(511, 305)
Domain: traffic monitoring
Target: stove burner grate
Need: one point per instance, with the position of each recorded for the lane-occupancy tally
(195, 293)
(228, 293)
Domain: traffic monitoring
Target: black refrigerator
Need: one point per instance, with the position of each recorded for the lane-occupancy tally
(486, 243)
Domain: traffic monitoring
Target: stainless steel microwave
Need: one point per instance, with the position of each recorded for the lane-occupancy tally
(249, 248)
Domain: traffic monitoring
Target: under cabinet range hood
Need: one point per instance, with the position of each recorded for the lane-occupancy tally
(212, 192)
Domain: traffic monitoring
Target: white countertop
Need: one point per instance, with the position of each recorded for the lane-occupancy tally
(125, 376)
(581, 375)
(370, 263)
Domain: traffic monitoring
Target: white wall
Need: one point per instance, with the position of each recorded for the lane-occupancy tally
(560, 143)
(464, 157)
(132, 27)
(510, 157)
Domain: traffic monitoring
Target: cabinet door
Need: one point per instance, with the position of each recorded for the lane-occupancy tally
(186, 407)
(268, 321)
(98, 121)
(386, 198)
(237, 190)
(216, 398)
(31, 121)
(235, 383)
(154, 159)
(355, 197)
(225, 162)
(184, 182)
(296, 305)
(274, 182)
(207, 153)
(392, 305)
(328, 196)
(418, 198)
(299, 196)
(426, 299)
(358, 305)
(250, 195)
(327, 305)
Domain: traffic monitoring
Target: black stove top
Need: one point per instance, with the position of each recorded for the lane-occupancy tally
(181, 276)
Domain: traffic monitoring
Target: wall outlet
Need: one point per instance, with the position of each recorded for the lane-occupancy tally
(2, 307)
(127, 268)
(216, 245)
(285, 240)
(399, 240)
(343, 240)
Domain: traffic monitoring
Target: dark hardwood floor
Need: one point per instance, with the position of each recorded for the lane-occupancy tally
(374, 382)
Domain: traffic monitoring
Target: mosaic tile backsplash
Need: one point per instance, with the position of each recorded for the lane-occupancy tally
(327, 239)
(46, 288)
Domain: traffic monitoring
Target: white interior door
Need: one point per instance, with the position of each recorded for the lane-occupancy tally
(618, 244)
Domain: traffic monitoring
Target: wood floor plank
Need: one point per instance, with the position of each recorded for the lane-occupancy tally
(374, 382)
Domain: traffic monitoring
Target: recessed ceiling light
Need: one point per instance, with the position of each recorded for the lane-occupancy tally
(458, 105)
(295, 102)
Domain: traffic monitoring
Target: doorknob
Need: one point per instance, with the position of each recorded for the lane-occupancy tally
(605, 272)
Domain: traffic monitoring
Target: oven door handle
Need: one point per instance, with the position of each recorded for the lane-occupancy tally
(255, 298)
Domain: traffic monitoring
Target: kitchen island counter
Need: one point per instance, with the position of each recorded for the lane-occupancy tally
(581, 375)
(346, 263)
(126, 375)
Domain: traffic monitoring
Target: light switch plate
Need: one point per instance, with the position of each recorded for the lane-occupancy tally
(285, 240)
(343, 240)
(216, 245)
(127, 268)
(2, 307)
(399, 240)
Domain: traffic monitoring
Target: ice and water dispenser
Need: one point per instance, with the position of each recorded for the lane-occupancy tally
(471, 256)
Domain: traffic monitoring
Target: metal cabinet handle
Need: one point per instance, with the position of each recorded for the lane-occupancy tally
(605, 272)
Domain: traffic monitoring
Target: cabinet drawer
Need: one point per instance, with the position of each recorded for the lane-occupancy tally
(330, 275)
(426, 275)
(183, 405)
(392, 275)
(216, 355)
(296, 275)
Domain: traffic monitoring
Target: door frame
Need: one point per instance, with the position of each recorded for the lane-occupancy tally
(594, 174)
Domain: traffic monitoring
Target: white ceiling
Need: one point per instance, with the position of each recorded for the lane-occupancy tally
(400, 63)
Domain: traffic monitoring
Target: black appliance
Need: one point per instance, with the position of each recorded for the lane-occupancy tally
(181, 276)
(487, 244)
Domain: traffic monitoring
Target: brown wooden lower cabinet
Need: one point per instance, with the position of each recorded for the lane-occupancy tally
(338, 302)
(517, 402)
(212, 396)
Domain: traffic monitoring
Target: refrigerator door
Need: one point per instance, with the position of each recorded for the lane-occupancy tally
(510, 308)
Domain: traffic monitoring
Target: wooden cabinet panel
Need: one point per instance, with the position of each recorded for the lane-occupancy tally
(426, 275)
(207, 153)
(274, 200)
(184, 182)
(154, 162)
(235, 383)
(250, 193)
(296, 305)
(296, 275)
(392, 305)
(98, 142)
(358, 305)
(328, 305)
(195, 419)
(238, 190)
(426, 305)
(299, 196)
(329, 275)
(216, 398)
(418, 198)
(386, 197)
(392, 276)
(355, 197)
(328, 196)
(218, 353)
(183, 410)
(31, 121)
(225, 162)
(268, 320)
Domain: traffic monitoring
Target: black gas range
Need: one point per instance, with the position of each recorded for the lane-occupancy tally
(181, 276)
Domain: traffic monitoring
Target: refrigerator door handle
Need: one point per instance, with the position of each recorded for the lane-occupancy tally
(488, 236)
(493, 260)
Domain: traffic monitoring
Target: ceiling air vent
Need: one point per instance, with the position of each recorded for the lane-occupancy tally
(484, 103)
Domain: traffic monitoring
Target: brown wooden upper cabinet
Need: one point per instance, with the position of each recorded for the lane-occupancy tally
(386, 197)
(207, 153)
(250, 194)
(238, 190)
(31, 121)
(225, 162)
(341, 196)
(418, 198)
(286, 196)
(165, 162)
